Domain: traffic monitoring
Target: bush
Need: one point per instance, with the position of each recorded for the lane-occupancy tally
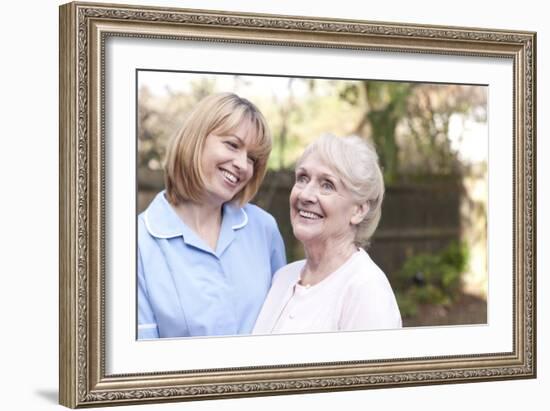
(431, 279)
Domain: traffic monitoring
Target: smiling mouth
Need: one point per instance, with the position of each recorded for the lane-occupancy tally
(230, 177)
(309, 215)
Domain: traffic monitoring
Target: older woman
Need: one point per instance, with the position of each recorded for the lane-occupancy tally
(205, 256)
(335, 206)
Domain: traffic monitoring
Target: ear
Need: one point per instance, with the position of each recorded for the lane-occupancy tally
(359, 213)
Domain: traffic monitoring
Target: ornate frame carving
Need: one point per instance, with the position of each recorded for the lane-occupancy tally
(83, 30)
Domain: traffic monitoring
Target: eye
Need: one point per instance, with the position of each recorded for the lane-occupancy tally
(327, 186)
(232, 145)
(301, 179)
(252, 159)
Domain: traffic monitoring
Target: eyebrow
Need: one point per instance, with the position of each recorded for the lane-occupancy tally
(251, 147)
(254, 148)
(326, 176)
(237, 137)
(331, 178)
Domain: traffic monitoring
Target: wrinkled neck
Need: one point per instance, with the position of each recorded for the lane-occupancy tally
(323, 258)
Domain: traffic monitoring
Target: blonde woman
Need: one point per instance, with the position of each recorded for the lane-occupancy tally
(335, 206)
(205, 256)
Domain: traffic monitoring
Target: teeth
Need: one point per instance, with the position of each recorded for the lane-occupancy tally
(229, 176)
(309, 214)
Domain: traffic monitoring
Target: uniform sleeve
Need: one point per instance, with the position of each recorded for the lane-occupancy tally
(370, 305)
(147, 324)
(278, 255)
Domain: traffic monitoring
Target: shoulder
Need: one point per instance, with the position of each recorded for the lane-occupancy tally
(142, 230)
(159, 220)
(368, 300)
(259, 219)
(366, 276)
(257, 214)
(146, 241)
(289, 273)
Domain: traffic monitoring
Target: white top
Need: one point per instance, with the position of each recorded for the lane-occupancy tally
(357, 296)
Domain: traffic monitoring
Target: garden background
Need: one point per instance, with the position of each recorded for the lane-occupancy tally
(432, 144)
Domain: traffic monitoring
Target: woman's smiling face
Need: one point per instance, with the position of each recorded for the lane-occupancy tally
(321, 206)
(227, 165)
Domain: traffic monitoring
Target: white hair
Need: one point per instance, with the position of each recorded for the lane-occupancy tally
(355, 161)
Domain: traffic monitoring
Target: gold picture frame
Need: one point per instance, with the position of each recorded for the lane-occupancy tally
(84, 30)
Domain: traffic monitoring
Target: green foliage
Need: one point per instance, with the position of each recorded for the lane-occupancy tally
(381, 106)
(431, 278)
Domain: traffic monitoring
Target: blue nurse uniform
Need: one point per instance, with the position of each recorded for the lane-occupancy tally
(187, 289)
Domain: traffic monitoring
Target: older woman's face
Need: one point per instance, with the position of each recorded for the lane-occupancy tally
(321, 207)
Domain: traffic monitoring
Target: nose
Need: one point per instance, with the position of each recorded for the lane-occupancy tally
(308, 193)
(241, 160)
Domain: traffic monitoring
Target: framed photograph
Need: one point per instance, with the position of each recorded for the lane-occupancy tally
(449, 111)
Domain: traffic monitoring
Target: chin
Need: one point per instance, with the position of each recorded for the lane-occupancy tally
(229, 195)
(304, 235)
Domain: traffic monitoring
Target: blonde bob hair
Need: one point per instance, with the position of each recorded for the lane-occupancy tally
(215, 114)
(355, 162)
